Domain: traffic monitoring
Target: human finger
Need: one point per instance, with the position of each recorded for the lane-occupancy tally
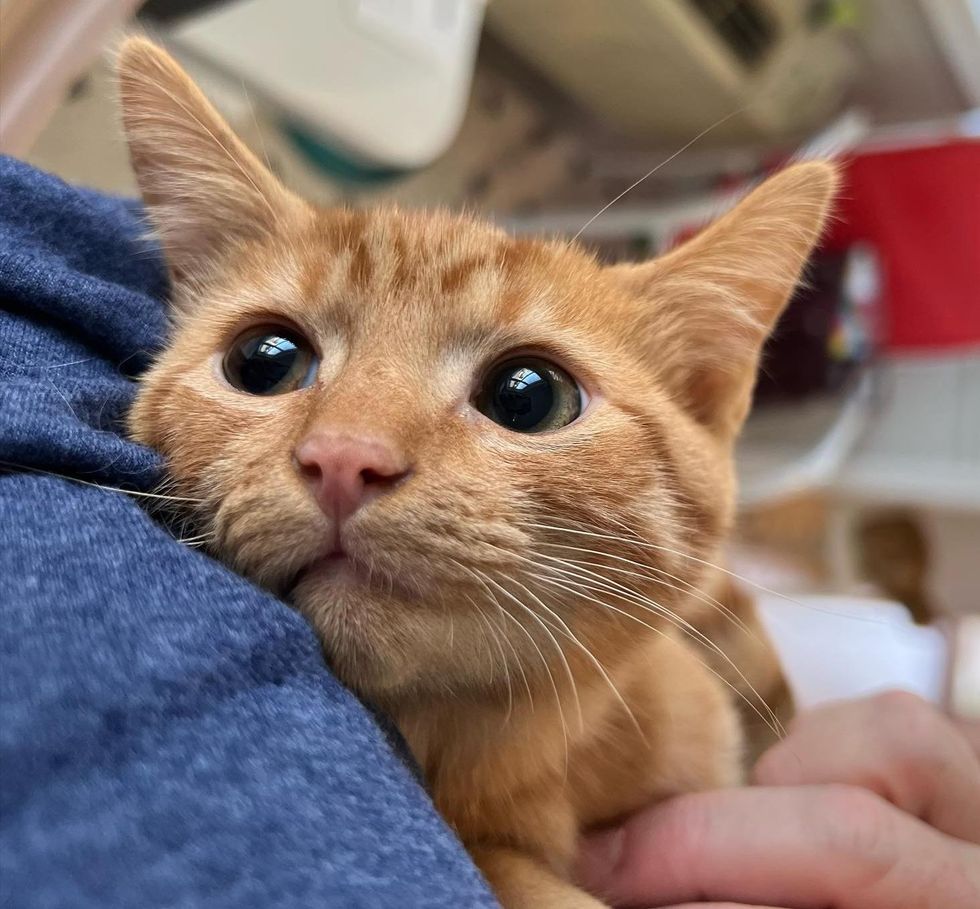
(894, 744)
(800, 848)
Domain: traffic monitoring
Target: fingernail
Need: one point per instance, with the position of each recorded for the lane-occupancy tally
(599, 857)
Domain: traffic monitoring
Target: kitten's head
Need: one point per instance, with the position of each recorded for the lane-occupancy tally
(453, 450)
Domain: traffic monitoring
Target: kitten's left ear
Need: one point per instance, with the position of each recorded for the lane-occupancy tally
(203, 189)
(707, 307)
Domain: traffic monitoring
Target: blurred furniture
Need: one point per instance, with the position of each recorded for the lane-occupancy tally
(910, 432)
(916, 198)
(835, 647)
(362, 86)
(45, 45)
(921, 445)
(359, 86)
(669, 68)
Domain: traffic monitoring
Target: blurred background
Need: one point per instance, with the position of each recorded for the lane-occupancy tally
(860, 464)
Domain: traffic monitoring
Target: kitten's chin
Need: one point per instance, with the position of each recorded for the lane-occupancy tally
(403, 639)
(374, 634)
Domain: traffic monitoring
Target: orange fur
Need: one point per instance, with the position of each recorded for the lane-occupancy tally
(524, 605)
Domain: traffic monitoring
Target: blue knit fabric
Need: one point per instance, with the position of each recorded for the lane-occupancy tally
(169, 734)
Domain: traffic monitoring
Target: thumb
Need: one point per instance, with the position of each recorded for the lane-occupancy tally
(599, 859)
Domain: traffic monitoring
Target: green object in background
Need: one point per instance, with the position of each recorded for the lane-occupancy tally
(838, 13)
(334, 164)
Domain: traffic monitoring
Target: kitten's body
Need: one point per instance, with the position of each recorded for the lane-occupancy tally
(519, 791)
(523, 605)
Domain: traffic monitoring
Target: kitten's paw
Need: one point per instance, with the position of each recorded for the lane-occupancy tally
(522, 882)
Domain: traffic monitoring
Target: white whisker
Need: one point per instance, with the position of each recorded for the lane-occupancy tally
(480, 578)
(494, 635)
(773, 724)
(651, 172)
(696, 633)
(103, 486)
(554, 640)
(692, 592)
(685, 555)
(591, 656)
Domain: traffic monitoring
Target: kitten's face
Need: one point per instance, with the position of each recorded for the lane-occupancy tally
(515, 520)
(407, 317)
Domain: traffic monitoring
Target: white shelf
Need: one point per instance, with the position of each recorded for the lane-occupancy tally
(908, 435)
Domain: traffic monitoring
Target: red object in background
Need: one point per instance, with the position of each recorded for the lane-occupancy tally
(920, 210)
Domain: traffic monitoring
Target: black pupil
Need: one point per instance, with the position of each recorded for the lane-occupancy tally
(266, 361)
(522, 397)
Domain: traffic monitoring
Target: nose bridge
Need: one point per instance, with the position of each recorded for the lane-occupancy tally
(373, 397)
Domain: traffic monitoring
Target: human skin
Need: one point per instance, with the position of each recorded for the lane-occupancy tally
(866, 804)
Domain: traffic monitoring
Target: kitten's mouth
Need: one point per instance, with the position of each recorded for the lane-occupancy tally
(338, 568)
(335, 564)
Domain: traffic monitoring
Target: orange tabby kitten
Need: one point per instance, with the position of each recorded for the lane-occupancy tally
(492, 473)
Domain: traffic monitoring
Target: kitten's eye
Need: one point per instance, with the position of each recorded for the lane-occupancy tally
(270, 360)
(528, 394)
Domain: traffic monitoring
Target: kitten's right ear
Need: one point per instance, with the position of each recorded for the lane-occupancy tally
(202, 188)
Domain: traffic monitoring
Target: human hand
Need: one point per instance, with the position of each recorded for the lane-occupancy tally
(868, 804)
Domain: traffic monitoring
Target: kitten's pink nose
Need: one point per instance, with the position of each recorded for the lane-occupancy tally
(345, 471)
